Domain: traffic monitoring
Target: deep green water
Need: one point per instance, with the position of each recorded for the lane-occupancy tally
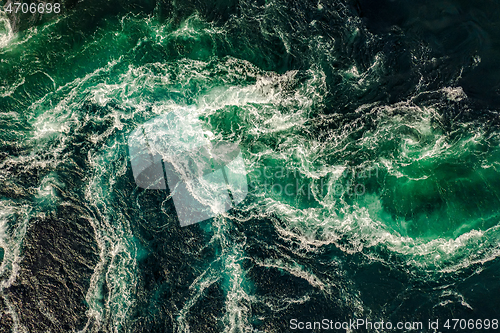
(382, 117)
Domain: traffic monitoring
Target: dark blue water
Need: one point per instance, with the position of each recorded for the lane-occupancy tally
(381, 117)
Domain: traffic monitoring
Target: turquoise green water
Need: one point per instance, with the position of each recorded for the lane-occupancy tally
(373, 168)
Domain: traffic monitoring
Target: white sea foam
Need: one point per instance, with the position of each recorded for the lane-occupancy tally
(6, 33)
(272, 120)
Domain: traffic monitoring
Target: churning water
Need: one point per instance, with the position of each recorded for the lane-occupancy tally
(370, 134)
